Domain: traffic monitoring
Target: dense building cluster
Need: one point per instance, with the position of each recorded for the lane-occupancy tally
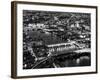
(42, 29)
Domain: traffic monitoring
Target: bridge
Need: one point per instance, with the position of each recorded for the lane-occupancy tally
(67, 49)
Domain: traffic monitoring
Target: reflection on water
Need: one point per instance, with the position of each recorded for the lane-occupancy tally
(82, 61)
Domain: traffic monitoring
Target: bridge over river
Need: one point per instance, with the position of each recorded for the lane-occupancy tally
(66, 51)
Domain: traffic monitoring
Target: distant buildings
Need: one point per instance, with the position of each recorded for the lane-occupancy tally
(36, 26)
